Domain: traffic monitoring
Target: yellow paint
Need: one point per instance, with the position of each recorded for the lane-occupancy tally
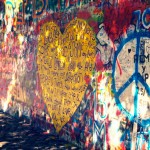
(63, 61)
(20, 38)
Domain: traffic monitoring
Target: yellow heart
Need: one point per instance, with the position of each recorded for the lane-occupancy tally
(63, 62)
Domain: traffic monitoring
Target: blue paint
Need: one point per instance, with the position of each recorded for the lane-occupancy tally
(44, 7)
(141, 139)
(130, 80)
(135, 77)
(126, 135)
(98, 128)
(9, 3)
(138, 14)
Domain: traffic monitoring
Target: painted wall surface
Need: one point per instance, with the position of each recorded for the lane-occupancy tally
(79, 69)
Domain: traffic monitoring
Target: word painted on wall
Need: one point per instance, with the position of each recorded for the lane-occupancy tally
(32, 9)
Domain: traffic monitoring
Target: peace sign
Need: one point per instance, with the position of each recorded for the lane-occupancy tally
(126, 88)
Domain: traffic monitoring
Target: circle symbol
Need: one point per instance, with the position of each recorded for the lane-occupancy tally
(136, 78)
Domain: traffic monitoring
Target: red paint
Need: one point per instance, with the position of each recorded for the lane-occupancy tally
(148, 18)
(100, 109)
(94, 25)
(40, 23)
(67, 3)
(59, 4)
(144, 147)
(100, 77)
(88, 94)
(72, 2)
(87, 79)
(99, 64)
(97, 11)
(117, 19)
(87, 16)
(98, 2)
(118, 64)
(75, 124)
(123, 146)
(118, 112)
(84, 15)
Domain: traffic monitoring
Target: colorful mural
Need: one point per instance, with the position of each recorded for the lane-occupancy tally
(78, 69)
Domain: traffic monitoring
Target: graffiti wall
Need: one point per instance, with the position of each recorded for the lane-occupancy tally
(78, 69)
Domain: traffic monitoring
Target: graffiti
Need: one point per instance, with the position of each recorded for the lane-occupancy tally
(30, 10)
(143, 17)
(4, 87)
(7, 69)
(68, 62)
(11, 10)
(105, 46)
(78, 68)
(79, 128)
(101, 110)
(63, 5)
(29, 52)
(136, 76)
(145, 20)
(132, 51)
(6, 64)
(2, 10)
(116, 26)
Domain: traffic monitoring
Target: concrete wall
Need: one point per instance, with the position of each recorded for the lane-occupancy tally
(79, 69)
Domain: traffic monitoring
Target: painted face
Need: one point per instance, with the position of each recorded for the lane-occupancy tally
(12, 7)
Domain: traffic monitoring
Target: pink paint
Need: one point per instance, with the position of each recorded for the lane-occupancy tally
(30, 61)
(4, 83)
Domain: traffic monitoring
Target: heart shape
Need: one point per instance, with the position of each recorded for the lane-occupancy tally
(63, 62)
